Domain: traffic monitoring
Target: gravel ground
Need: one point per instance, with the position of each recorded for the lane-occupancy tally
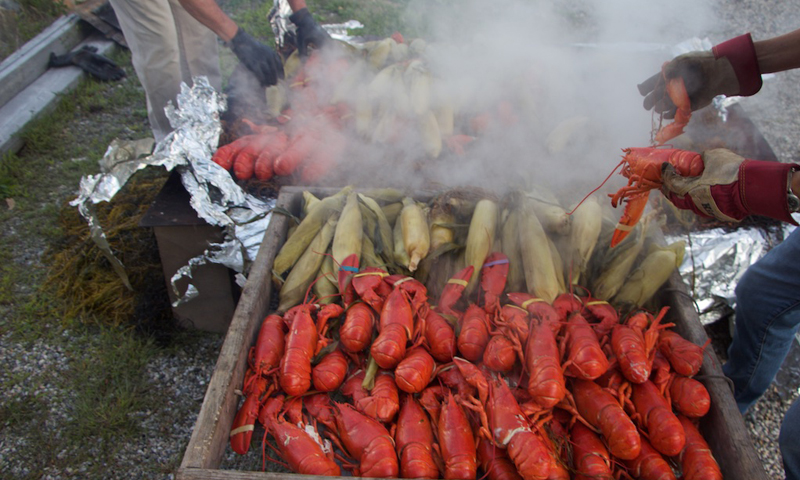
(183, 377)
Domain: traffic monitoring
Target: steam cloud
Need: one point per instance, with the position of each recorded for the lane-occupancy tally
(569, 71)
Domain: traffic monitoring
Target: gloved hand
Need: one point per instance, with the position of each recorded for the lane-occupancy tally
(731, 187)
(308, 31)
(730, 68)
(90, 61)
(263, 61)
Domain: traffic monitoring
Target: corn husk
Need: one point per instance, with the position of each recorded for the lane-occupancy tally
(613, 274)
(294, 289)
(564, 132)
(349, 231)
(363, 115)
(430, 134)
(384, 243)
(551, 214)
(400, 52)
(445, 117)
(378, 52)
(294, 247)
(416, 236)
(587, 221)
(326, 287)
(647, 278)
(400, 256)
(419, 87)
(509, 234)
(392, 211)
(441, 221)
(540, 272)
(291, 65)
(309, 202)
(277, 99)
(480, 238)
(558, 265)
(418, 46)
(368, 256)
(385, 195)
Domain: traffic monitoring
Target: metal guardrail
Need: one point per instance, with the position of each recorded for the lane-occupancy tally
(28, 88)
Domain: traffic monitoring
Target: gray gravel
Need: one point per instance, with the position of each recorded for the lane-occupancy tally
(182, 378)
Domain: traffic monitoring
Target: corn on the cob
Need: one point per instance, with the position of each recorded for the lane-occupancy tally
(655, 269)
(379, 52)
(307, 268)
(368, 256)
(416, 236)
(400, 255)
(418, 46)
(540, 273)
(419, 87)
(441, 221)
(307, 230)
(480, 238)
(400, 52)
(552, 216)
(363, 115)
(558, 265)
(384, 243)
(430, 133)
(349, 231)
(613, 275)
(587, 221)
(326, 288)
(392, 211)
(445, 117)
(565, 131)
(509, 234)
(291, 64)
(276, 99)
(309, 202)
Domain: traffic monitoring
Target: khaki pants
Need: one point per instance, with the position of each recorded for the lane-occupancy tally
(168, 46)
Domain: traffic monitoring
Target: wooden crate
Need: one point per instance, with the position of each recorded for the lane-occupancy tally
(723, 426)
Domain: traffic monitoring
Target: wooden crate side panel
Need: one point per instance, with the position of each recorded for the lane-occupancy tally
(723, 427)
(211, 433)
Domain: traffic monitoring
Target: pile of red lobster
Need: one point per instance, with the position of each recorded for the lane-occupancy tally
(386, 384)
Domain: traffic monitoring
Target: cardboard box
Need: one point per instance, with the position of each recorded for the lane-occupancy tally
(181, 236)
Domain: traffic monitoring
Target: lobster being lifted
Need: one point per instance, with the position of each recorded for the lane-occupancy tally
(642, 167)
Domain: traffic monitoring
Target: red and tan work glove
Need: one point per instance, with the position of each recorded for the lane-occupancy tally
(730, 68)
(732, 187)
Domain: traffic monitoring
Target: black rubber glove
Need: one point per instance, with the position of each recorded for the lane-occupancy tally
(91, 62)
(308, 31)
(263, 61)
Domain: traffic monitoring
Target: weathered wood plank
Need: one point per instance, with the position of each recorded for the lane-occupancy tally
(210, 435)
(723, 427)
(40, 97)
(25, 65)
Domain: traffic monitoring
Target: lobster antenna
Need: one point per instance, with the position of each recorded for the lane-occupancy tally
(598, 187)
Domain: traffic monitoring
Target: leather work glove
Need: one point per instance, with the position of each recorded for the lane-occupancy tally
(730, 68)
(263, 61)
(732, 187)
(308, 31)
(90, 61)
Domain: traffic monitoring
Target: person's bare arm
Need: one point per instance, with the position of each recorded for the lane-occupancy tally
(209, 14)
(296, 5)
(779, 53)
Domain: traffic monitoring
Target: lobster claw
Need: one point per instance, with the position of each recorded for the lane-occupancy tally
(634, 207)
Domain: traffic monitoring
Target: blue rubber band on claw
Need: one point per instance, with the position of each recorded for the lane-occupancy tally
(348, 269)
(496, 262)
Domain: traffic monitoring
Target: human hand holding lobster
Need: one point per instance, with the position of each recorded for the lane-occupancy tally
(732, 187)
(730, 68)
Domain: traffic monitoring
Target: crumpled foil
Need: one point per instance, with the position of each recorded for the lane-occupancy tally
(715, 260)
(278, 17)
(215, 196)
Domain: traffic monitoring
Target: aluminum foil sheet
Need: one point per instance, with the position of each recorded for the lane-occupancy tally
(715, 260)
(281, 25)
(215, 196)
